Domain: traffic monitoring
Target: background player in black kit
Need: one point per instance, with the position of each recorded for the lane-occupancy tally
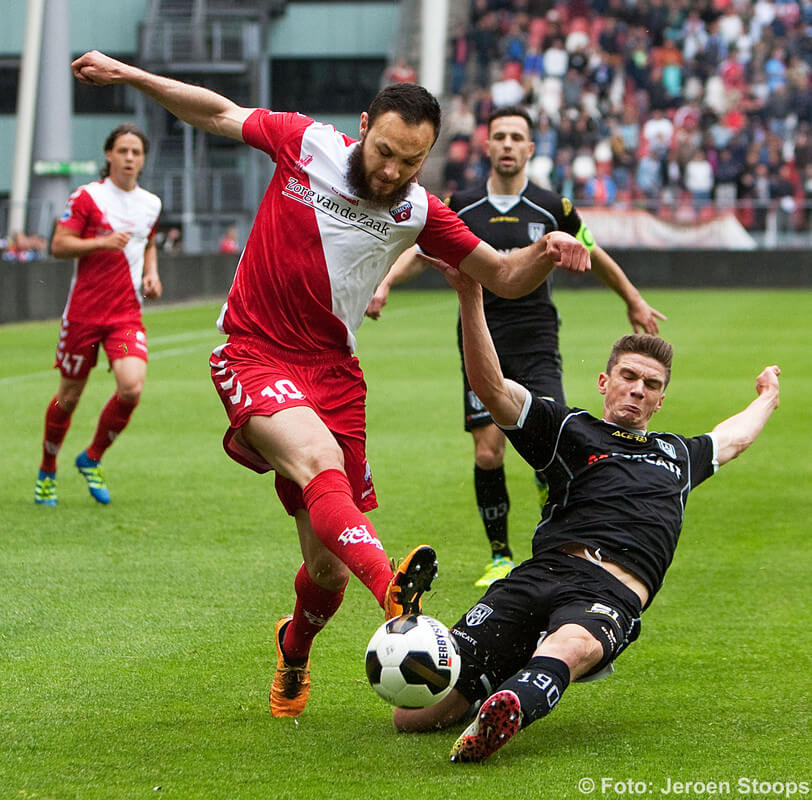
(605, 540)
(509, 212)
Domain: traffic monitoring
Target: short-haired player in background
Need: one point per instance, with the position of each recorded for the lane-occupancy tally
(108, 228)
(606, 538)
(508, 211)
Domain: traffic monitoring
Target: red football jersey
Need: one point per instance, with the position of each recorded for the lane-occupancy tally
(317, 252)
(106, 284)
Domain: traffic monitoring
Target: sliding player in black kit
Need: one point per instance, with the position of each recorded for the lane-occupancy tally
(509, 212)
(606, 538)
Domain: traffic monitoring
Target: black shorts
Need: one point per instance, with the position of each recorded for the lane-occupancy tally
(539, 372)
(498, 636)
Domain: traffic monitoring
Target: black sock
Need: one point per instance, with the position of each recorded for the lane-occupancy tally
(494, 504)
(538, 686)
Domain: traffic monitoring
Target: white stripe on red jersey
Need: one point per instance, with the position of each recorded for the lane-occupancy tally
(316, 252)
(106, 284)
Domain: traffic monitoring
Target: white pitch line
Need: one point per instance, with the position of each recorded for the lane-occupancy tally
(186, 336)
(210, 334)
(153, 356)
(177, 351)
(18, 378)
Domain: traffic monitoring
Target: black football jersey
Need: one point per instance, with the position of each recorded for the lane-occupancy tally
(529, 323)
(616, 490)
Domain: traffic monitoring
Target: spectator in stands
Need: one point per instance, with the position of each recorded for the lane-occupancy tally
(732, 72)
(601, 190)
(563, 179)
(545, 137)
(695, 36)
(456, 164)
(459, 121)
(609, 39)
(731, 27)
(514, 43)
(458, 59)
(399, 72)
(776, 69)
(229, 244)
(572, 88)
(762, 188)
(671, 60)
(658, 132)
(802, 149)
(20, 247)
(637, 57)
(807, 186)
(798, 73)
(508, 90)
(11, 247)
(172, 241)
(687, 135)
(485, 38)
(556, 60)
(578, 56)
(699, 178)
(629, 127)
(727, 175)
(623, 160)
(778, 107)
(783, 191)
(533, 66)
(649, 175)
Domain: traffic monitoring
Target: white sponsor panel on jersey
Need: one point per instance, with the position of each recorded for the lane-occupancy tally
(133, 212)
(359, 241)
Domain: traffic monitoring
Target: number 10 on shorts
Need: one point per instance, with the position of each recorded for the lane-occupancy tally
(282, 390)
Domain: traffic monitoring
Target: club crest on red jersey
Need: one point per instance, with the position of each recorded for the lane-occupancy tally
(402, 212)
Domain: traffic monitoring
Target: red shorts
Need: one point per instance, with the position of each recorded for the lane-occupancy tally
(78, 348)
(253, 378)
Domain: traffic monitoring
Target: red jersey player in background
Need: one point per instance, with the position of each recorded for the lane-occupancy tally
(108, 228)
(337, 212)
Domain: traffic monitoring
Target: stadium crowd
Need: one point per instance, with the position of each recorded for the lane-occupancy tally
(670, 105)
(22, 247)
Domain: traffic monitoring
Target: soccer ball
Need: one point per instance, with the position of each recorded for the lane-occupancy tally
(412, 661)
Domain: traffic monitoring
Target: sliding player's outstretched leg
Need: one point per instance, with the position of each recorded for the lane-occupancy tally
(496, 723)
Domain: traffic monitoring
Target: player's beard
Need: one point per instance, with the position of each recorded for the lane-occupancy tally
(358, 182)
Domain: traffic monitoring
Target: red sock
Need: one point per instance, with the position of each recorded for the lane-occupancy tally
(314, 607)
(57, 422)
(345, 531)
(114, 418)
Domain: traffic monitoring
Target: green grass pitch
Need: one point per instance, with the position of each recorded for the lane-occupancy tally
(136, 639)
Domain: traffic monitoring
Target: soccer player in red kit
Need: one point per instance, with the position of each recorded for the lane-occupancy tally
(336, 214)
(108, 228)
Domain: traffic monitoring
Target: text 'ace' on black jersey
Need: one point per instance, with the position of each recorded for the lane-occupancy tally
(529, 323)
(622, 492)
